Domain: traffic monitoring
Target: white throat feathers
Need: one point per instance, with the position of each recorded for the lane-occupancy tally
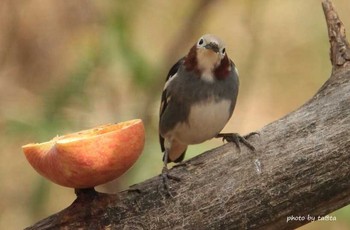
(207, 61)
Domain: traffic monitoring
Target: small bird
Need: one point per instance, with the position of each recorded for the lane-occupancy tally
(198, 100)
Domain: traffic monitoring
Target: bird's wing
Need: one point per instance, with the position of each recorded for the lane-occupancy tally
(165, 97)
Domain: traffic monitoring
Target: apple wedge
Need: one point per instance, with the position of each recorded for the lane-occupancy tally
(90, 157)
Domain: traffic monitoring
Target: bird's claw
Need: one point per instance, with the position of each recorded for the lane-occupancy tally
(251, 134)
(236, 139)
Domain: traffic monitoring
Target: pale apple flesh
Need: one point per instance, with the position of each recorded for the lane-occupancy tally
(90, 157)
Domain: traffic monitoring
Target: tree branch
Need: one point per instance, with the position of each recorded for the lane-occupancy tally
(301, 167)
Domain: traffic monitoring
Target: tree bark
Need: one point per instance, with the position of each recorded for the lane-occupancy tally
(301, 168)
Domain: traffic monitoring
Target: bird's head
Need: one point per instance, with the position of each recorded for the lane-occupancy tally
(208, 58)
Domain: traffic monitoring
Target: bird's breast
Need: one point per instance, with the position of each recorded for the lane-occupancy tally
(206, 119)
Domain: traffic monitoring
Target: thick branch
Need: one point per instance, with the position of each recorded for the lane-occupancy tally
(301, 167)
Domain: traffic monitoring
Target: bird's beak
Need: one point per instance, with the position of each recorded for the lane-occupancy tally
(213, 46)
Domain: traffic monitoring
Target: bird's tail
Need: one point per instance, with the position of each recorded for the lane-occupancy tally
(176, 152)
(176, 160)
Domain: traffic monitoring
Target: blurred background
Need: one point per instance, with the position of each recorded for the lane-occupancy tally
(72, 65)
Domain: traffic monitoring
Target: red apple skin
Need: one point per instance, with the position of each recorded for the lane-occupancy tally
(90, 157)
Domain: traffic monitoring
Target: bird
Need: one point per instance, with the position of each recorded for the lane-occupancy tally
(198, 99)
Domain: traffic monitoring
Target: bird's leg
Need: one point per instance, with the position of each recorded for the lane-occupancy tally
(236, 138)
(165, 174)
(165, 170)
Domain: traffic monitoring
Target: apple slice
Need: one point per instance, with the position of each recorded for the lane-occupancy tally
(90, 157)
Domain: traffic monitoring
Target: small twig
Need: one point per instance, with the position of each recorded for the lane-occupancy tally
(340, 49)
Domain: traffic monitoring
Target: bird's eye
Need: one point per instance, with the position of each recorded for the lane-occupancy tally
(223, 51)
(201, 42)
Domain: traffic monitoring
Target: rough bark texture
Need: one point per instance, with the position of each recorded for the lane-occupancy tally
(301, 167)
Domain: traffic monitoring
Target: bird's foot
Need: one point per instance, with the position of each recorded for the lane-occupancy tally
(166, 177)
(236, 139)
